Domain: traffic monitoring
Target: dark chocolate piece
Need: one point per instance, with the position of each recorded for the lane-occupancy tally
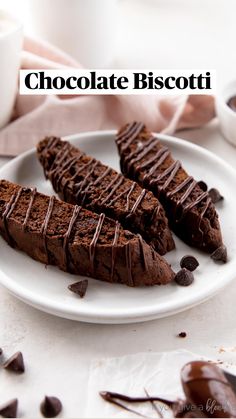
(206, 387)
(82, 180)
(189, 209)
(202, 185)
(189, 262)
(232, 103)
(182, 335)
(184, 277)
(15, 363)
(220, 254)
(76, 240)
(208, 394)
(215, 195)
(51, 407)
(9, 409)
(79, 288)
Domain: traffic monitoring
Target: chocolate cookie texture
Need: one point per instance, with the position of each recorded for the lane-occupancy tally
(77, 240)
(82, 180)
(189, 209)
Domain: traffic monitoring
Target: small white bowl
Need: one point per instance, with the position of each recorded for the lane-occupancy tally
(227, 117)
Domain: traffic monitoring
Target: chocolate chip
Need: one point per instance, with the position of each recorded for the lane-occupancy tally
(9, 409)
(189, 262)
(202, 185)
(51, 407)
(79, 288)
(215, 195)
(15, 363)
(184, 277)
(182, 335)
(0, 351)
(220, 254)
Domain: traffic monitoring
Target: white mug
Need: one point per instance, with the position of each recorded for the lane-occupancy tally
(11, 39)
(85, 29)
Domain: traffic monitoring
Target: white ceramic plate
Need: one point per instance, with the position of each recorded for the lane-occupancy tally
(46, 288)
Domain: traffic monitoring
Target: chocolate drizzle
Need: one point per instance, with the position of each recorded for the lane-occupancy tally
(130, 133)
(44, 227)
(119, 182)
(142, 252)
(93, 244)
(7, 213)
(129, 264)
(68, 234)
(33, 194)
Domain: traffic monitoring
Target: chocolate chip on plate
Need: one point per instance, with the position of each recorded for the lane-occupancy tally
(189, 262)
(182, 335)
(220, 254)
(9, 409)
(79, 288)
(184, 277)
(15, 363)
(202, 185)
(215, 195)
(51, 407)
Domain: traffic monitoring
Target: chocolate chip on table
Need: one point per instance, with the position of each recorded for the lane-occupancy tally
(9, 409)
(189, 262)
(15, 363)
(202, 185)
(184, 277)
(215, 195)
(182, 335)
(51, 407)
(79, 288)
(220, 254)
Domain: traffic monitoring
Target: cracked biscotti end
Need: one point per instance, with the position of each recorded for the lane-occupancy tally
(77, 240)
(83, 180)
(189, 209)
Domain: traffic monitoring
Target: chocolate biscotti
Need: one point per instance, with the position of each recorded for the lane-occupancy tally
(77, 240)
(189, 209)
(82, 180)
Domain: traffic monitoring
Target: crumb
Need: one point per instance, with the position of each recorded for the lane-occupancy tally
(182, 335)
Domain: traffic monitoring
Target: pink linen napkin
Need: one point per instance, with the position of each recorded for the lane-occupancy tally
(37, 116)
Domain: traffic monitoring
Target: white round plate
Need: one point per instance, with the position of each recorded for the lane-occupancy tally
(46, 288)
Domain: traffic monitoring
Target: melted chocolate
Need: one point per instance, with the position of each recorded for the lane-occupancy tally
(68, 234)
(44, 227)
(132, 188)
(114, 248)
(208, 394)
(206, 386)
(27, 216)
(93, 244)
(136, 204)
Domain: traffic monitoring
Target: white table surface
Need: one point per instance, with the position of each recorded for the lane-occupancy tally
(58, 352)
